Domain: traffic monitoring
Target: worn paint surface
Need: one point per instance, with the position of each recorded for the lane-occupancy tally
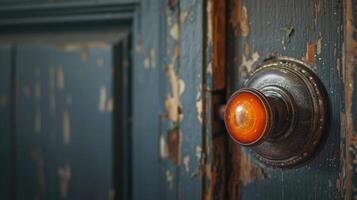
(348, 173)
(60, 132)
(180, 149)
(306, 30)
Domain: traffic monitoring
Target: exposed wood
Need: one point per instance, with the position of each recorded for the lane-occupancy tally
(348, 128)
(218, 24)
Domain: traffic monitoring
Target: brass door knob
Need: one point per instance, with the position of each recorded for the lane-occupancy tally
(280, 114)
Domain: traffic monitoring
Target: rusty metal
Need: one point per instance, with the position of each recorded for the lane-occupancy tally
(300, 106)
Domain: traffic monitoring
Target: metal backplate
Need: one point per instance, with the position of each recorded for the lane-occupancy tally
(309, 119)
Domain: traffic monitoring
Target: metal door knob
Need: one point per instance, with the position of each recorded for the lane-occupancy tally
(281, 113)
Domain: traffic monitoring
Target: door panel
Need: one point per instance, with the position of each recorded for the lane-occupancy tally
(64, 123)
(309, 31)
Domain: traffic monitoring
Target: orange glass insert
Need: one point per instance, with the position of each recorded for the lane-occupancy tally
(246, 117)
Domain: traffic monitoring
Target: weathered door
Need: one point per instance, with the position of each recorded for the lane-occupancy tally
(321, 34)
(59, 101)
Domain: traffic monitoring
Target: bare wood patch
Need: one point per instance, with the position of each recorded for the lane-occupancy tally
(64, 174)
(239, 19)
(174, 145)
(350, 57)
(60, 78)
(66, 128)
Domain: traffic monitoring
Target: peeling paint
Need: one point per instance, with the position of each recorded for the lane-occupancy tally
(174, 31)
(64, 174)
(209, 68)
(163, 148)
(82, 48)
(110, 105)
(249, 172)
(199, 109)
(170, 178)
(66, 128)
(317, 10)
(102, 98)
(312, 50)
(152, 57)
(310, 54)
(146, 63)
(239, 19)
(318, 44)
(60, 78)
(186, 163)
(248, 63)
(174, 145)
(246, 49)
(173, 105)
(183, 16)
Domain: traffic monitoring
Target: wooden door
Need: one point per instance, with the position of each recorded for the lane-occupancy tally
(59, 101)
(319, 33)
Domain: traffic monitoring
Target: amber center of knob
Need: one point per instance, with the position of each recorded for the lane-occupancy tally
(246, 117)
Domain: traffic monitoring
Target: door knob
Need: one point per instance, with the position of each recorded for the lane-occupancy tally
(280, 113)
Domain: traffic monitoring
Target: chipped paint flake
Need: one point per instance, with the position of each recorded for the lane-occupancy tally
(318, 44)
(183, 16)
(170, 178)
(66, 128)
(310, 53)
(209, 68)
(163, 148)
(64, 174)
(174, 138)
(102, 99)
(186, 163)
(60, 78)
(199, 108)
(110, 105)
(248, 171)
(174, 31)
(248, 63)
(152, 57)
(146, 63)
(173, 105)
